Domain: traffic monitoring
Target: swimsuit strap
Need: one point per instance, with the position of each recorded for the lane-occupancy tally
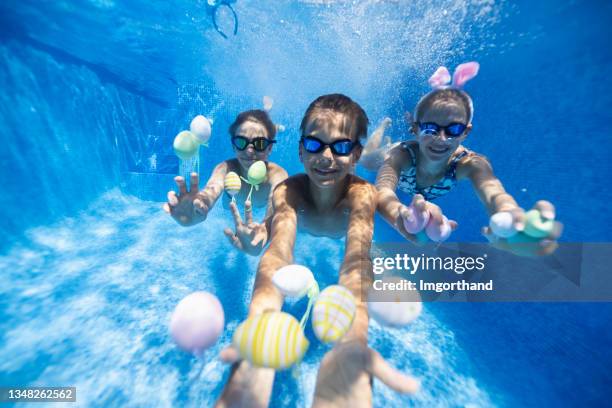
(452, 168)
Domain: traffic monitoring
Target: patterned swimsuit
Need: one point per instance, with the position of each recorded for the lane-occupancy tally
(408, 184)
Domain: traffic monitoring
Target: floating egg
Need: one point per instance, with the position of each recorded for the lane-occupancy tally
(293, 280)
(394, 310)
(185, 145)
(333, 313)
(268, 102)
(232, 183)
(502, 225)
(197, 322)
(271, 339)
(536, 225)
(257, 173)
(417, 221)
(438, 233)
(200, 127)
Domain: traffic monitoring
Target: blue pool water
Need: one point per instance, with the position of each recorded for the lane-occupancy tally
(93, 93)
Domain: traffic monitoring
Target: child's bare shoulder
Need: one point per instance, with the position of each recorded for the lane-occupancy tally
(361, 190)
(276, 169)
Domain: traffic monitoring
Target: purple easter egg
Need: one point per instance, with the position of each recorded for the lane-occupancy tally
(439, 233)
(417, 222)
(197, 322)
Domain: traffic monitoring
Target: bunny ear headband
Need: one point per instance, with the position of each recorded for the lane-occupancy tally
(463, 73)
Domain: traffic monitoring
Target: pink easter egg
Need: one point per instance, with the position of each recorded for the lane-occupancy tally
(197, 322)
(438, 232)
(417, 222)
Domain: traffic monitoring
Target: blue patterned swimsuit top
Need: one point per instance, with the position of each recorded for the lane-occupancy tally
(408, 184)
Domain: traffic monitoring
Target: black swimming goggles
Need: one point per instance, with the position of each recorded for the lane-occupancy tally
(259, 143)
(452, 130)
(339, 147)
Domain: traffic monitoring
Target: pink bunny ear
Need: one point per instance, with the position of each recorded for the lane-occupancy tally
(464, 73)
(440, 78)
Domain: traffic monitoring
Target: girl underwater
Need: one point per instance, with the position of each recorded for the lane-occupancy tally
(252, 136)
(432, 164)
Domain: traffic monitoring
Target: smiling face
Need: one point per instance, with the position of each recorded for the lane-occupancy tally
(325, 169)
(251, 129)
(443, 112)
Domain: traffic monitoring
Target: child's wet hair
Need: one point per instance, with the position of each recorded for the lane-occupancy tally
(447, 95)
(255, 115)
(342, 104)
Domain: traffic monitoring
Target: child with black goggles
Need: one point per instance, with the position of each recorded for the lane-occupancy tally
(252, 135)
(432, 164)
(327, 200)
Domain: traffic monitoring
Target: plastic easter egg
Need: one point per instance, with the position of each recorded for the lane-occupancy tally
(522, 238)
(200, 127)
(185, 145)
(268, 102)
(333, 313)
(232, 183)
(293, 280)
(257, 173)
(438, 233)
(394, 312)
(501, 224)
(417, 222)
(271, 339)
(537, 226)
(197, 322)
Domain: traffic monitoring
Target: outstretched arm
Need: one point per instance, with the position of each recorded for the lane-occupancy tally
(389, 206)
(249, 236)
(495, 199)
(248, 385)
(345, 372)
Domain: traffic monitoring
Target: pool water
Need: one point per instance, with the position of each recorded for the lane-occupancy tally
(91, 268)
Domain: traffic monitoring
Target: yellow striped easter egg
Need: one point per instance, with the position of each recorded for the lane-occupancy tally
(271, 339)
(333, 313)
(232, 183)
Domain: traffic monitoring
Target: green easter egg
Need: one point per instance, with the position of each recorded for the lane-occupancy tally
(522, 238)
(185, 145)
(257, 173)
(537, 226)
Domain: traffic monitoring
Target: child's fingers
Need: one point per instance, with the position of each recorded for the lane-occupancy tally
(518, 218)
(248, 212)
(232, 238)
(418, 202)
(229, 355)
(199, 206)
(166, 208)
(547, 247)
(547, 210)
(435, 213)
(194, 182)
(236, 214)
(172, 200)
(556, 231)
(180, 182)
(453, 224)
(394, 379)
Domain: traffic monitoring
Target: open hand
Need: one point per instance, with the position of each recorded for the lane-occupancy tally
(345, 372)
(249, 236)
(419, 204)
(188, 208)
(544, 246)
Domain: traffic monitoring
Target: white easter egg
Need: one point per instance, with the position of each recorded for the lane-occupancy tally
(293, 280)
(501, 224)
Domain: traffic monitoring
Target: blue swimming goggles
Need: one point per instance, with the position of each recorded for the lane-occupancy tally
(452, 130)
(339, 147)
